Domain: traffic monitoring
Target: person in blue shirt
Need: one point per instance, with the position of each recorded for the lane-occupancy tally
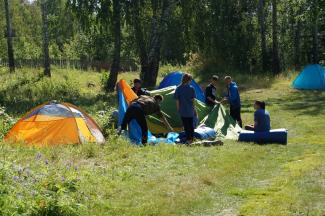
(261, 118)
(185, 96)
(233, 98)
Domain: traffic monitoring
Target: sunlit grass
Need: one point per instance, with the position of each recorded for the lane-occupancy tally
(120, 179)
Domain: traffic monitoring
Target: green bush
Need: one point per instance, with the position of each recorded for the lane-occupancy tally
(6, 122)
(24, 91)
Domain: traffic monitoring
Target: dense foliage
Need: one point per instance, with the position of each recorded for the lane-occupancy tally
(237, 35)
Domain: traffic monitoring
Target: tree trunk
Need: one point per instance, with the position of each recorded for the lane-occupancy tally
(140, 40)
(150, 74)
(11, 60)
(47, 66)
(275, 52)
(117, 46)
(315, 33)
(261, 20)
(297, 45)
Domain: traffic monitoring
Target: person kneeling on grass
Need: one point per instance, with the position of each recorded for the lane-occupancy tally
(139, 109)
(261, 118)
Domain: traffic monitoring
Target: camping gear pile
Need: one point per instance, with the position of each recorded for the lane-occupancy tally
(214, 122)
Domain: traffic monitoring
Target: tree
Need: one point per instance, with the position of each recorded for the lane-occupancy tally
(262, 28)
(46, 55)
(9, 35)
(275, 50)
(149, 46)
(315, 11)
(110, 85)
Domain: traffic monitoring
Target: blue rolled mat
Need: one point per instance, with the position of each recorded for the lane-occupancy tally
(273, 136)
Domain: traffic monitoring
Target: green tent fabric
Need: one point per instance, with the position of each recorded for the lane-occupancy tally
(214, 117)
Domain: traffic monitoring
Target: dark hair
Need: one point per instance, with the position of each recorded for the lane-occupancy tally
(137, 81)
(186, 78)
(215, 78)
(158, 97)
(260, 104)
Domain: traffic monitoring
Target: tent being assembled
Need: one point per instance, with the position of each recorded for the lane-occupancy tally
(175, 79)
(214, 117)
(311, 78)
(55, 123)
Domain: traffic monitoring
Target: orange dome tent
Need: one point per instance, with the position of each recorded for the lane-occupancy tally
(54, 124)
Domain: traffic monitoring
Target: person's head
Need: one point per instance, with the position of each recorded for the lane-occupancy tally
(186, 79)
(214, 80)
(228, 80)
(137, 83)
(259, 105)
(158, 98)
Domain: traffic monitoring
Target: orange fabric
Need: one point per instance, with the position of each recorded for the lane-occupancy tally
(42, 133)
(89, 120)
(45, 130)
(128, 93)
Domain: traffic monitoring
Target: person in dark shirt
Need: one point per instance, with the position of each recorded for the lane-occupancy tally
(139, 109)
(185, 96)
(137, 88)
(233, 98)
(210, 92)
(261, 118)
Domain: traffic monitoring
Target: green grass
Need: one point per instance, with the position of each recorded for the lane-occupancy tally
(120, 179)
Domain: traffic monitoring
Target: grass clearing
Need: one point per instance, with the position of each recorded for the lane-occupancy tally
(120, 179)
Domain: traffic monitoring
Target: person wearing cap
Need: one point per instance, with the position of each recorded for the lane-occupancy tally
(137, 88)
(210, 92)
(185, 96)
(261, 118)
(139, 109)
(233, 98)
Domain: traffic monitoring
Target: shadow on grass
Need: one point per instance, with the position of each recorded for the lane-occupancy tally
(310, 103)
(246, 81)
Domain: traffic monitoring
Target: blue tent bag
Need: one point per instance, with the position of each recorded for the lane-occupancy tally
(279, 136)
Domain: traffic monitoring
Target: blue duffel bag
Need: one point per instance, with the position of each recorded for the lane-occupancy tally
(273, 136)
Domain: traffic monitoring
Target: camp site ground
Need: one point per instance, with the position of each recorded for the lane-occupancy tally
(72, 70)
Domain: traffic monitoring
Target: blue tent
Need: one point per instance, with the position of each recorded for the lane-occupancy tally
(311, 78)
(175, 78)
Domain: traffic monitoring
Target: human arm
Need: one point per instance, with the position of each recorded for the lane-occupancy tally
(177, 105)
(176, 97)
(255, 119)
(212, 100)
(193, 102)
(233, 94)
(195, 111)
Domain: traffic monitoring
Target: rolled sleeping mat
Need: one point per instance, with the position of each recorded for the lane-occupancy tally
(279, 136)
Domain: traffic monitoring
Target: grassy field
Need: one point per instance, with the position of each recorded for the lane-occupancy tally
(120, 179)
